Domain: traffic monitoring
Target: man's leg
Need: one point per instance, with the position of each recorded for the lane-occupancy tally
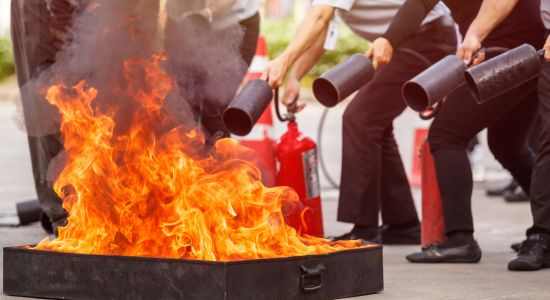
(459, 120)
(395, 189)
(534, 253)
(43, 150)
(366, 132)
(540, 188)
(508, 140)
(397, 210)
(34, 46)
(449, 136)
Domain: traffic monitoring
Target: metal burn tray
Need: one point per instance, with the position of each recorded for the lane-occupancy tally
(48, 274)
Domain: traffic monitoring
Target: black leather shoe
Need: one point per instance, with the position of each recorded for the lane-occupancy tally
(517, 195)
(394, 235)
(516, 247)
(532, 255)
(546, 260)
(371, 236)
(470, 253)
(500, 190)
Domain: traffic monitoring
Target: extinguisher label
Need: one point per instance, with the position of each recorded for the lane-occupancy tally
(311, 173)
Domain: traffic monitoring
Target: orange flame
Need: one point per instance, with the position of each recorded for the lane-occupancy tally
(141, 193)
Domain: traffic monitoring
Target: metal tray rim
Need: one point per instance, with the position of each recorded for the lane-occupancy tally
(372, 247)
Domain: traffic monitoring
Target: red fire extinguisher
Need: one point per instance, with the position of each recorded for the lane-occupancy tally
(297, 167)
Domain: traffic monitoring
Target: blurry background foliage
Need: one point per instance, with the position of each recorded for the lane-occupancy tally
(279, 32)
(7, 67)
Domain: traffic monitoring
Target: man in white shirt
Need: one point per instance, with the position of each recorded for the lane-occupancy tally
(39, 31)
(223, 14)
(234, 29)
(373, 177)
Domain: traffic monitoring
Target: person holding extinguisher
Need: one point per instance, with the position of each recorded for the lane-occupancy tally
(534, 252)
(373, 178)
(508, 118)
(230, 25)
(41, 28)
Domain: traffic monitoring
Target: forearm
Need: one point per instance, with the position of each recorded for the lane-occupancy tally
(408, 19)
(304, 64)
(491, 13)
(308, 33)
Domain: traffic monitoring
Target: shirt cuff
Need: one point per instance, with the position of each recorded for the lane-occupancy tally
(341, 4)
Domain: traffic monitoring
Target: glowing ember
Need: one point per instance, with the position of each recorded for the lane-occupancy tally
(148, 191)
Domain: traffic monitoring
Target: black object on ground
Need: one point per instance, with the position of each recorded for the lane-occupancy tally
(533, 254)
(516, 246)
(28, 212)
(470, 253)
(516, 195)
(47, 274)
(400, 235)
(499, 191)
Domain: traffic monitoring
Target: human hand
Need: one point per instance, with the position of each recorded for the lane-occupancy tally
(547, 49)
(275, 71)
(207, 14)
(467, 50)
(380, 52)
(291, 95)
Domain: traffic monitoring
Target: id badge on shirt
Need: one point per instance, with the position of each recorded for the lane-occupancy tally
(332, 34)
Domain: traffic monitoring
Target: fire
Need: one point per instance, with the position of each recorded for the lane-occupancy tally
(152, 191)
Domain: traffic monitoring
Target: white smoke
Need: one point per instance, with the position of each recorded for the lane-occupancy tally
(103, 34)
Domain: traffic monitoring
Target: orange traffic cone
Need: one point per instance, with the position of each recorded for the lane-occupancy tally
(419, 137)
(433, 222)
(260, 139)
(259, 62)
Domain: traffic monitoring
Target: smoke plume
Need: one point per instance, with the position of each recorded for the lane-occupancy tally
(99, 36)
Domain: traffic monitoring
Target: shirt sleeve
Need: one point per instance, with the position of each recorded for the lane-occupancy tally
(341, 4)
(408, 19)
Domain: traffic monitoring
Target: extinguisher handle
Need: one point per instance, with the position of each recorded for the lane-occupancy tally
(290, 117)
(293, 107)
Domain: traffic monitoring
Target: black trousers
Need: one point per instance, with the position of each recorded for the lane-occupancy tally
(540, 186)
(35, 45)
(508, 119)
(373, 178)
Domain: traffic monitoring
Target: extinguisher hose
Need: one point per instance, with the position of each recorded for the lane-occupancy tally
(324, 169)
(321, 127)
(291, 109)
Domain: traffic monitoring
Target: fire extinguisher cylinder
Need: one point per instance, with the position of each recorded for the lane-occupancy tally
(297, 160)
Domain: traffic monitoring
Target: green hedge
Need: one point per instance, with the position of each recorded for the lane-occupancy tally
(278, 34)
(7, 66)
